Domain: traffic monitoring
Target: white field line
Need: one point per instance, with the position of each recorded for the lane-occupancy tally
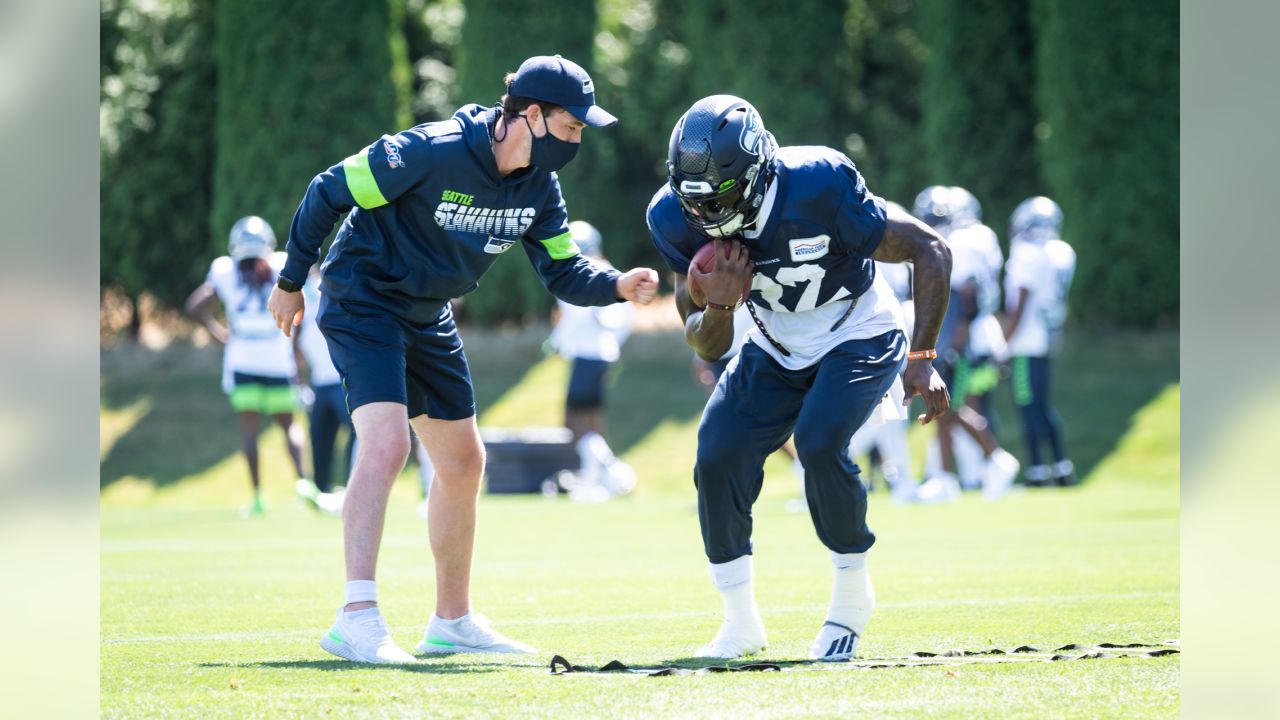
(625, 617)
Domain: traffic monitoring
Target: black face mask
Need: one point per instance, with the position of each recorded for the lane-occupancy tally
(549, 152)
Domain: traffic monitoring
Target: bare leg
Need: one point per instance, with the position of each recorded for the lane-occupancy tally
(969, 420)
(581, 421)
(384, 447)
(292, 440)
(250, 425)
(458, 455)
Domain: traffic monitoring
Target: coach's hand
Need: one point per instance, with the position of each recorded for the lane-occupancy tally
(286, 308)
(638, 285)
(921, 379)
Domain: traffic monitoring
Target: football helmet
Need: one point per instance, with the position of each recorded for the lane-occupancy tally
(1039, 214)
(965, 207)
(586, 237)
(251, 237)
(935, 205)
(720, 163)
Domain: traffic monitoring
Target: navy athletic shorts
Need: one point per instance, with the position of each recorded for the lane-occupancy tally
(586, 384)
(385, 359)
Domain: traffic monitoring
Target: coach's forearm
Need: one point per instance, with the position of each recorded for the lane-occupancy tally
(932, 290)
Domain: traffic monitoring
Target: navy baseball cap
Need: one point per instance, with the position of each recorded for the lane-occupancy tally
(563, 82)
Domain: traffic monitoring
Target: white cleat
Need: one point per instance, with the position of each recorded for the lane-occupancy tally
(362, 637)
(734, 641)
(938, 489)
(1002, 468)
(835, 643)
(470, 633)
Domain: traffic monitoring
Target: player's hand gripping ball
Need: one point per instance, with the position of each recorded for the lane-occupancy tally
(717, 281)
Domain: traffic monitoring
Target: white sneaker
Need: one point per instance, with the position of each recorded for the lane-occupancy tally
(835, 643)
(735, 640)
(470, 633)
(331, 503)
(362, 636)
(938, 489)
(1002, 468)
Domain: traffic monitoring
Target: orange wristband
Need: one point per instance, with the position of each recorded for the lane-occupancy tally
(922, 355)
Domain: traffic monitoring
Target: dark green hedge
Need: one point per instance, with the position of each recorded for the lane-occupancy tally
(979, 117)
(1108, 92)
(301, 86)
(496, 37)
(158, 149)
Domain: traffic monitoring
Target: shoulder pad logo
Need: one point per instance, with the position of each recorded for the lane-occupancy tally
(750, 138)
(393, 154)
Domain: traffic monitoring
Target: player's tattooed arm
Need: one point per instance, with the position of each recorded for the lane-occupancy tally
(906, 239)
(708, 332)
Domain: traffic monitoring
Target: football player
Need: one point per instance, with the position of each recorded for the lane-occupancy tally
(258, 365)
(1037, 279)
(427, 212)
(800, 223)
(946, 211)
(591, 340)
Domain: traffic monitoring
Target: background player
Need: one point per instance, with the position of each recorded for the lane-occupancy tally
(258, 365)
(940, 208)
(829, 344)
(1036, 295)
(430, 209)
(327, 414)
(591, 339)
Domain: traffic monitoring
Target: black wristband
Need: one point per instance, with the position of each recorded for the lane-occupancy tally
(718, 306)
(287, 285)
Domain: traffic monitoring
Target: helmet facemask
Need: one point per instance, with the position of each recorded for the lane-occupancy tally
(720, 164)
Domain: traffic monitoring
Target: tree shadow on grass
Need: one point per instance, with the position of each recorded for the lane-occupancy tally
(1100, 382)
(187, 425)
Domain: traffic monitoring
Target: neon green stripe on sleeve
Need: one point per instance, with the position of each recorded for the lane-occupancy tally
(364, 188)
(561, 247)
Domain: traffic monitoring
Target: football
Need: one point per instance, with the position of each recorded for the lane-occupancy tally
(704, 260)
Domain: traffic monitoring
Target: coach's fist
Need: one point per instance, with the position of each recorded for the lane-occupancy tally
(286, 308)
(638, 285)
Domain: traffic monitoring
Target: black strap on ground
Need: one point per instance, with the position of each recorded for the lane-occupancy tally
(1022, 653)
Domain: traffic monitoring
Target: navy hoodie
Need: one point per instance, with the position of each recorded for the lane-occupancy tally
(429, 214)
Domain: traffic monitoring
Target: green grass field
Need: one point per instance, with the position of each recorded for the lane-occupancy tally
(207, 615)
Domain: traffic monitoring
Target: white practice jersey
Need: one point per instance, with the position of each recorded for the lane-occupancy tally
(311, 341)
(1029, 268)
(976, 258)
(592, 333)
(256, 345)
(1063, 259)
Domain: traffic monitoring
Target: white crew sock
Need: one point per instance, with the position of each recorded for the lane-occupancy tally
(735, 581)
(852, 597)
(360, 591)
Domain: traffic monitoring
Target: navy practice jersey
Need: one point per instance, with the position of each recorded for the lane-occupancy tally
(429, 215)
(812, 250)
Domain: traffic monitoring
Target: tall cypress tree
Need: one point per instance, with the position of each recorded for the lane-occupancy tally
(1108, 91)
(887, 64)
(772, 55)
(511, 290)
(301, 86)
(158, 149)
(978, 106)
